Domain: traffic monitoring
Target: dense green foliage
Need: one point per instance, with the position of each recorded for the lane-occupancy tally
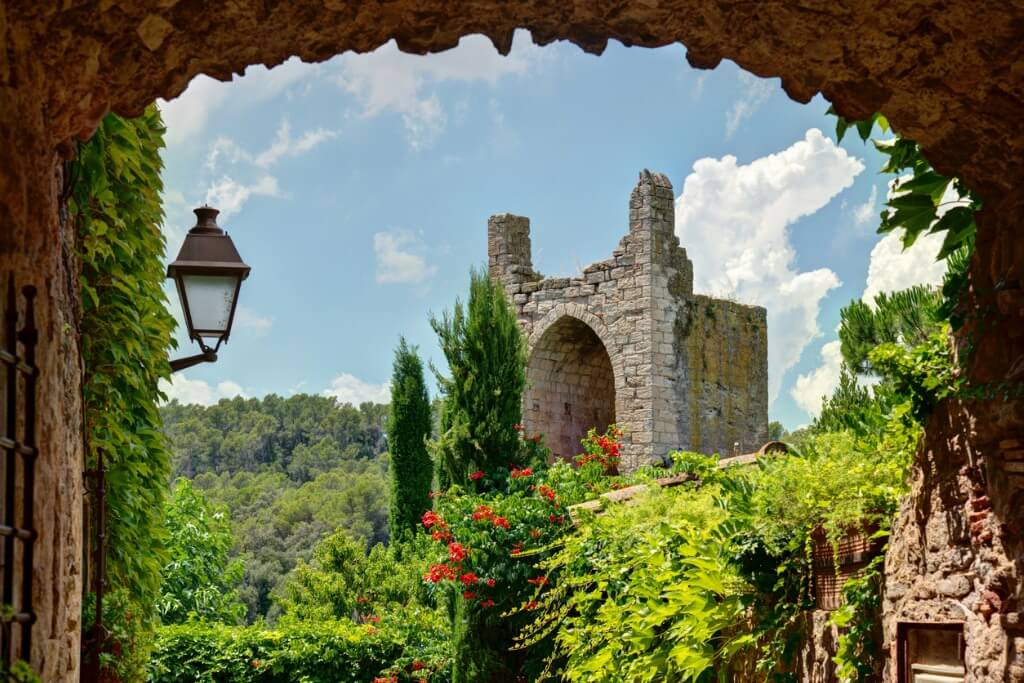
(125, 333)
(405, 647)
(409, 427)
(300, 436)
(486, 356)
(906, 317)
(922, 201)
(290, 472)
(642, 593)
(344, 579)
(199, 581)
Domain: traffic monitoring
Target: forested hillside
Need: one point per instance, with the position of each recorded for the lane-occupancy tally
(290, 471)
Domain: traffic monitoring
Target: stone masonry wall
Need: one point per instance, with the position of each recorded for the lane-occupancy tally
(628, 341)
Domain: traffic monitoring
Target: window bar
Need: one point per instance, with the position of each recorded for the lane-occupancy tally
(29, 337)
(10, 448)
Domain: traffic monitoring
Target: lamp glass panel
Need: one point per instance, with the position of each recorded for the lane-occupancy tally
(210, 301)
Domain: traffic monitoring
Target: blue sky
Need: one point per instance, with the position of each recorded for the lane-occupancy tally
(359, 191)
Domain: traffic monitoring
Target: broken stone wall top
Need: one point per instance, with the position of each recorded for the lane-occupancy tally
(628, 341)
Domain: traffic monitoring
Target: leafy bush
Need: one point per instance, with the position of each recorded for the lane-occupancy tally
(641, 593)
(835, 484)
(344, 580)
(199, 581)
(407, 647)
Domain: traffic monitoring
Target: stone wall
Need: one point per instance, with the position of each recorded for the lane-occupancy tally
(628, 341)
(956, 550)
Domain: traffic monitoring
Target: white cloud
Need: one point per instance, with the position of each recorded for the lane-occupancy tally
(397, 260)
(284, 146)
(891, 269)
(733, 220)
(864, 213)
(756, 92)
(250, 320)
(227, 150)
(348, 388)
(187, 390)
(229, 195)
(809, 389)
(186, 115)
(388, 80)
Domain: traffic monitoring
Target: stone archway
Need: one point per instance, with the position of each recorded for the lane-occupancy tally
(570, 385)
(956, 90)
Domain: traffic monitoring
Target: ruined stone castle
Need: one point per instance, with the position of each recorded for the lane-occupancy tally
(628, 341)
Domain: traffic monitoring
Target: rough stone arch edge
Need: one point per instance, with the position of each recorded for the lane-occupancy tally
(580, 313)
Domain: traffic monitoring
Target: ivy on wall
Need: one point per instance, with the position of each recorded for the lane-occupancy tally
(126, 333)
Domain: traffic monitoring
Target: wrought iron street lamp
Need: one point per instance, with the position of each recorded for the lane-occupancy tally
(208, 274)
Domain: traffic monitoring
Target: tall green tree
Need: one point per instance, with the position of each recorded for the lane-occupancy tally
(906, 317)
(409, 427)
(200, 580)
(486, 356)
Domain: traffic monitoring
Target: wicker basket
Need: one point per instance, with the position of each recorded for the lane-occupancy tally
(855, 550)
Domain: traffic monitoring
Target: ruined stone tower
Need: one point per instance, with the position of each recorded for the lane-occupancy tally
(629, 342)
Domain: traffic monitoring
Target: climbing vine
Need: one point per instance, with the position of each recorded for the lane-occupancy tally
(125, 335)
(922, 201)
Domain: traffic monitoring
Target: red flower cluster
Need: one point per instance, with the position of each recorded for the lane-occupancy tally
(547, 492)
(457, 552)
(386, 679)
(439, 573)
(482, 512)
(469, 578)
(501, 521)
(538, 581)
(487, 603)
(521, 473)
(441, 535)
(431, 518)
(475, 476)
(606, 449)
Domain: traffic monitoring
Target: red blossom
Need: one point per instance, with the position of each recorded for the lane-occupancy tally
(538, 581)
(361, 600)
(547, 492)
(482, 512)
(457, 552)
(556, 519)
(469, 578)
(469, 595)
(534, 533)
(487, 603)
(417, 666)
(474, 476)
(532, 605)
(490, 583)
(374, 619)
(441, 535)
(501, 521)
(518, 427)
(439, 573)
(431, 518)
(520, 473)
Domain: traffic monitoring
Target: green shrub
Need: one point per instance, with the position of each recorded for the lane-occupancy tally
(408, 647)
(641, 593)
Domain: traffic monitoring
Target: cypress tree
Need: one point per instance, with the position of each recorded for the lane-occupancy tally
(486, 356)
(408, 427)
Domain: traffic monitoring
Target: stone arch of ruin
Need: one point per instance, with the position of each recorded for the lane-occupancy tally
(947, 74)
(573, 380)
